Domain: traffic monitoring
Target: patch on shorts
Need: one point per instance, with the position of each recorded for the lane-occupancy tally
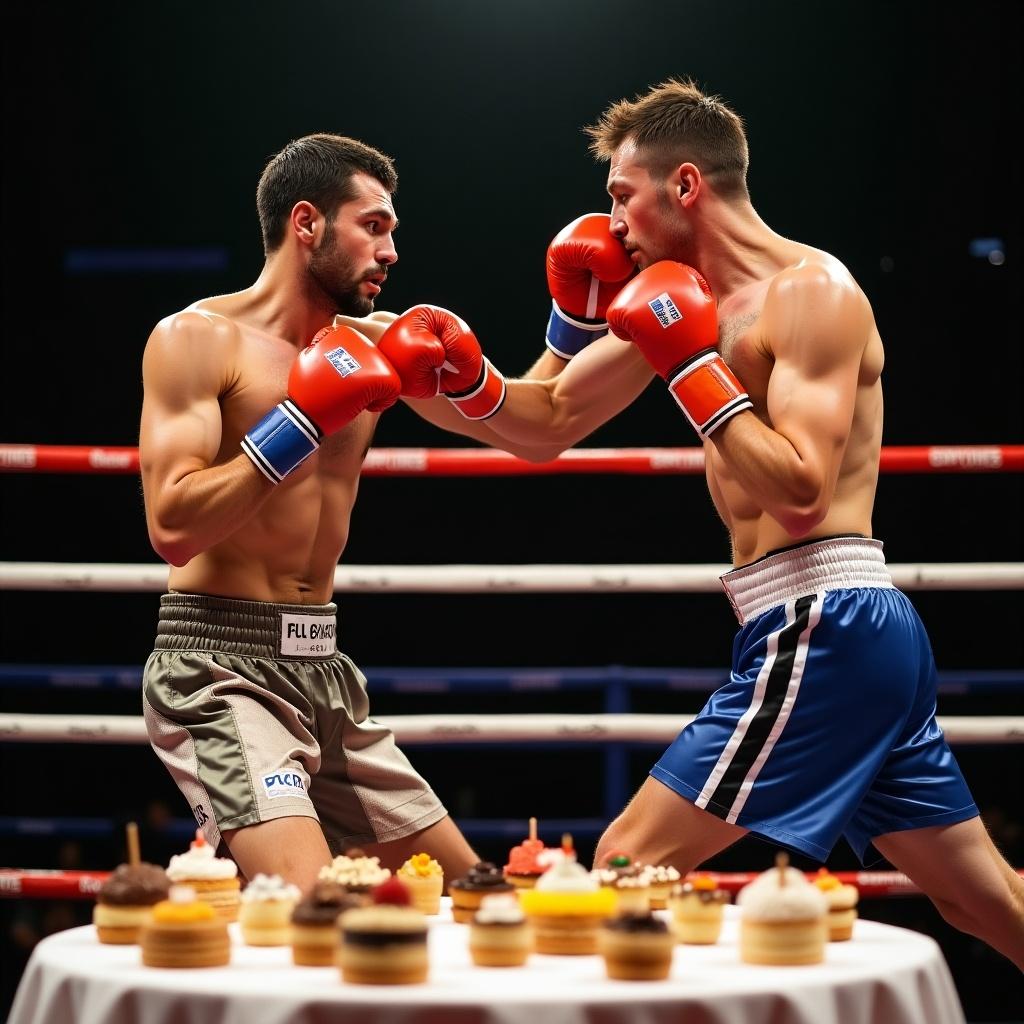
(285, 784)
(308, 635)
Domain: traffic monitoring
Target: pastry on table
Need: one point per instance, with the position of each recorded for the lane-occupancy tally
(215, 879)
(384, 943)
(314, 929)
(355, 873)
(783, 918)
(183, 931)
(632, 893)
(567, 905)
(662, 879)
(637, 947)
(483, 879)
(124, 902)
(424, 879)
(266, 914)
(697, 908)
(523, 868)
(842, 905)
(499, 934)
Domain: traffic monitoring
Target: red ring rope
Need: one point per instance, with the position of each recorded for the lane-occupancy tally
(26, 883)
(37, 458)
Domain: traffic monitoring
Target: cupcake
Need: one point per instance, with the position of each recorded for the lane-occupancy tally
(697, 908)
(124, 902)
(567, 906)
(384, 943)
(214, 879)
(632, 892)
(636, 947)
(183, 931)
(842, 905)
(483, 879)
(266, 913)
(499, 935)
(314, 930)
(661, 879)
(523, 868)
(355, 873)
(424, 879)
(783, 918)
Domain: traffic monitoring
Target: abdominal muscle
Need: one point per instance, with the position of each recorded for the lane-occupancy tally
(288, 552)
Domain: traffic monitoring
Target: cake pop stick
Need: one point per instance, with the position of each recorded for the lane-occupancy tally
(132, 831)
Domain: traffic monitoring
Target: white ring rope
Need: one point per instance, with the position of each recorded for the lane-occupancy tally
(497, 579)
(454, 729)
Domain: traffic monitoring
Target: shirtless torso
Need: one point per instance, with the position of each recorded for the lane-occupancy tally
(748, 324)
(287, 551)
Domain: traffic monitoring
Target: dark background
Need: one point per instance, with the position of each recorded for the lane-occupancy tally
(883, 133)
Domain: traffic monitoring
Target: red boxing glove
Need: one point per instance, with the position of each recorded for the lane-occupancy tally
(669, 313)
(586, 265)
(333, 379)
(435, 352)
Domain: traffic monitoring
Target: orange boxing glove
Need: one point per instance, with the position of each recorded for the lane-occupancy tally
(669, 313)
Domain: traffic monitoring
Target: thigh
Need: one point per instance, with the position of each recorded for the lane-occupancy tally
(659, 826)
(957, 862)
(292, 847)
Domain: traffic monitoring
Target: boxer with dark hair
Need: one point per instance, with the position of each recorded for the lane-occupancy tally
(258, 411)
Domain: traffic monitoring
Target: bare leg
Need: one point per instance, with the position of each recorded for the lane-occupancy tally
(964, 875)
(659, 826)
(292, 847)
(442, 840)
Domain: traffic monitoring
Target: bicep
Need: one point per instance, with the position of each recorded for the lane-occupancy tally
(812, 390)
(180, 430)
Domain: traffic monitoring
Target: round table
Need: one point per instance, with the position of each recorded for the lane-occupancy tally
(883, 974)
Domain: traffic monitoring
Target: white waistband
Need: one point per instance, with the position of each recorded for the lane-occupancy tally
(837, 563)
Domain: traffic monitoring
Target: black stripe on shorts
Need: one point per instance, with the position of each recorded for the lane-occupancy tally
(764, 719)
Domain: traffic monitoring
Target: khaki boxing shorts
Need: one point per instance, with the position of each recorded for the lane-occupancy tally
(257, 716)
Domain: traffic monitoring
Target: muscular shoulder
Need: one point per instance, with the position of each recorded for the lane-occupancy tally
(816, 301)
(192, 343)
(194, 326)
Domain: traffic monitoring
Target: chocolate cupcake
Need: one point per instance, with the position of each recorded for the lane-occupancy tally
(637, 947)
(125, 901)
(314, 930)
(483, 879)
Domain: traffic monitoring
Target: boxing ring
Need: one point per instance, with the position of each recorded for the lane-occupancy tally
(616, 731)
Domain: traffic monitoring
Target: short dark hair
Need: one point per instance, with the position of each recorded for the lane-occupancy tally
(319, 169)
(673, 123)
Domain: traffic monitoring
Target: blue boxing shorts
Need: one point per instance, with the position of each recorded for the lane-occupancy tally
(827, 724)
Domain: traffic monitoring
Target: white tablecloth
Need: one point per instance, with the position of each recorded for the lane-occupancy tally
(884, 974)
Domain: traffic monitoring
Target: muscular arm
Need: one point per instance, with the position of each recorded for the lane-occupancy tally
(191, 504)
(552, 406)
(817, 324)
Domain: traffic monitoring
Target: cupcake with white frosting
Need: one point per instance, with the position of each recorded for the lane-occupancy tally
(499, 934)
(214, 879)
(783, 918)
(266, 914)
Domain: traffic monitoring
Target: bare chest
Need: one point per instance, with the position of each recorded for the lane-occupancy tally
(259, 381)
(741, 346)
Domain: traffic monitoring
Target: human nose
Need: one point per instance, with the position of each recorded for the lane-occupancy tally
(617, 225)
(387, 254)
